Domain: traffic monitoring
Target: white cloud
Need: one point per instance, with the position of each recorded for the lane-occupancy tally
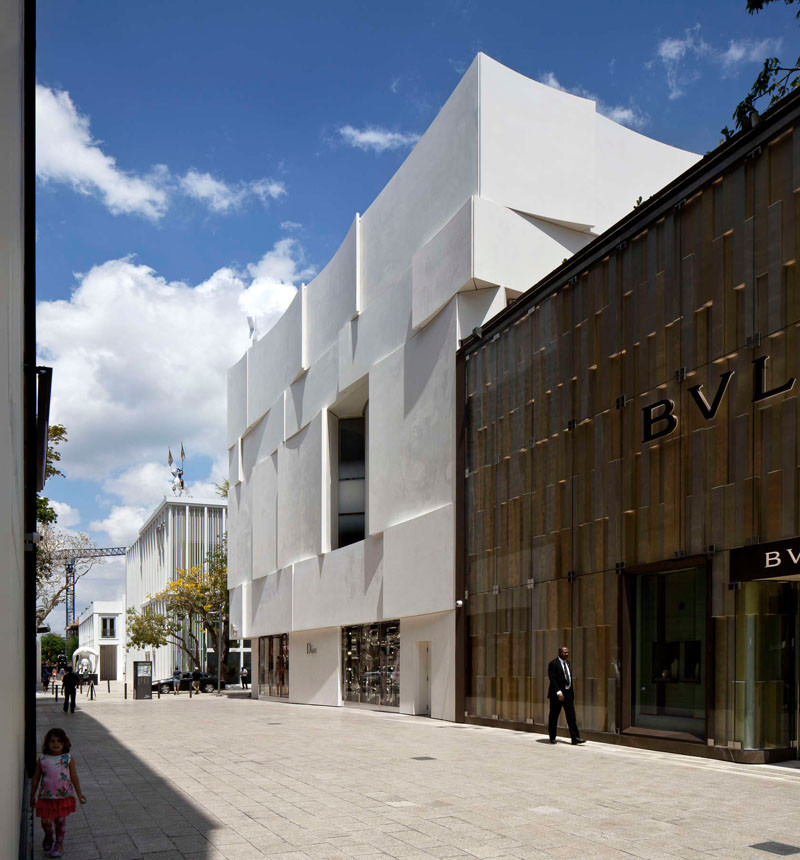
(122, 524)
(66, 152)
(748, 51)
(683, 57)
(630, 115)
(67, 515)
(140, 363)
(223, 197)
(140, 484)
(291, 225)
(377, 139)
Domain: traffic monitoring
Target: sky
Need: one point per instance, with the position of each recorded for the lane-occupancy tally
(197, 161)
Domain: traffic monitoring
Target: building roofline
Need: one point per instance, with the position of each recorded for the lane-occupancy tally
(181, 501)
(741, 146)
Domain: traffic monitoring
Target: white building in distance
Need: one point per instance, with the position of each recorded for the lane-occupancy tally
(342, 418)
(101, 639)
(176, 536)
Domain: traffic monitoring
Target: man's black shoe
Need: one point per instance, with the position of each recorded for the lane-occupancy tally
(579, 741)
(552, 741)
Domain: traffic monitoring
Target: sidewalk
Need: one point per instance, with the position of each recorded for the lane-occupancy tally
(231, 778)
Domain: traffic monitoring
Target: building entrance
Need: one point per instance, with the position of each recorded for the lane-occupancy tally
(669, 620)
(273, 666)
(767, 667)
(371, 664)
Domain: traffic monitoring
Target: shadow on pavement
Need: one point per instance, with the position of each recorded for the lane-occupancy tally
(132, 812)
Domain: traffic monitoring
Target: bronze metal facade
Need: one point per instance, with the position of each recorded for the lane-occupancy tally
(593, 462)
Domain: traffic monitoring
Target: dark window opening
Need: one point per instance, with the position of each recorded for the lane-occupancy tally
(351, 515)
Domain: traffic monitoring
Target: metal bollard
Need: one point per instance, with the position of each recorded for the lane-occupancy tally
(91, 690)
(190, 691)
(125, 691)
(108, 685)
(56, 692)
(158, 691)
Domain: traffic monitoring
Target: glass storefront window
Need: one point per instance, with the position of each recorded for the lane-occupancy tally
(273, 666)
(669, 651)
(371, 664)
(765, 685)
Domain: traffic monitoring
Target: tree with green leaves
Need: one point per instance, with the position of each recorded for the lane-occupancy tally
(52, 646)
(188, 612)
(776, 79)
(56, 435)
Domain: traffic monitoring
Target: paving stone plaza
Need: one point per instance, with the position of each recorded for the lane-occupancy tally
(232, 778)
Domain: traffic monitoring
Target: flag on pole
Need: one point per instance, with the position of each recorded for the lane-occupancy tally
(169, 456)
(183, 456)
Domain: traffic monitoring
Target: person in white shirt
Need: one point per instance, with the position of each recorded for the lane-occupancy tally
(562, 695)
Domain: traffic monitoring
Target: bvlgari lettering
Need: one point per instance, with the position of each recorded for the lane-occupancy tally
(709, 411)
(659, 418)
(664, 410)
(764, 561)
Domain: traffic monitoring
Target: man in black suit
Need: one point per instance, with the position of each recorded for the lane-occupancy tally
(562, 695)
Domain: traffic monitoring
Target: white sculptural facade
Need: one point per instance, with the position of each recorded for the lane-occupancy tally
(342, 418)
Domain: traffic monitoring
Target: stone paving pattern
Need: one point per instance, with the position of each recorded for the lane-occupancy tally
(232, 778)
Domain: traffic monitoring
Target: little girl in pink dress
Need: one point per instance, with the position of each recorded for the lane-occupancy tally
(55, 770)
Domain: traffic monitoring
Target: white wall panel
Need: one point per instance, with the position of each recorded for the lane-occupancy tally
(442, 267)
(477, 306)
(412, 426)
(275, 361)
(439, 630)
(237, 618)
(264, 495)
(341, 587)
(313, 391)
(376, 332)
(271, 603)
(419, 564)
(439, 175)
(537, 146)
(237, 400)
(314, 667)
(515, 250)
(300, 481)
(633, 166)
(263, 438)
(240, 526)
(331, 297)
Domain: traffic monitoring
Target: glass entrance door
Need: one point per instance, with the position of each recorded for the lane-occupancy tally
(669, 620)
(766, 665)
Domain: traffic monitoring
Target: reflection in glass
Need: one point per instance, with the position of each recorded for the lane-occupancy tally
(371, 664)
(273, 666)
(669, 636)
(766, 624)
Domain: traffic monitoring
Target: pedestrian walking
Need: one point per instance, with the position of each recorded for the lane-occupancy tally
(176, 681)
(196, 676)
(69, 686)
(45, 677)
(243, 674)
(562, 695)
(56, 774)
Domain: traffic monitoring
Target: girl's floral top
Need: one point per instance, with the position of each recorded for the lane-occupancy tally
(55, 777)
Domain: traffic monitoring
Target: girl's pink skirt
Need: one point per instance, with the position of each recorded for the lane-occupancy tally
(55, 807)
